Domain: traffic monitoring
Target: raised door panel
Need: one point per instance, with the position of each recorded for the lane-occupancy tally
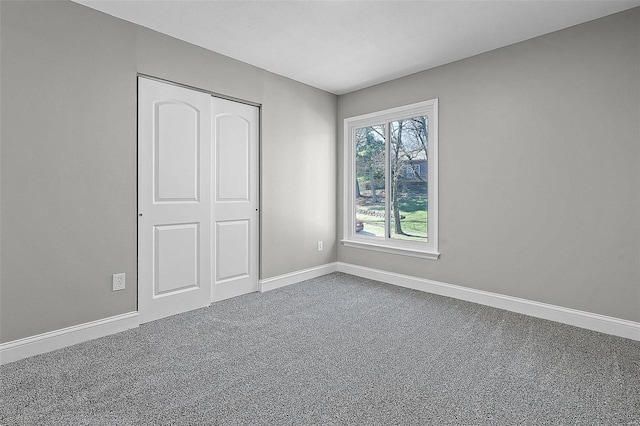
(232, 249)
(232, 158)
(176, 258)
(176, 151)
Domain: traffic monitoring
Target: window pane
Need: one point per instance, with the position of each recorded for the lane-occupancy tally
(408, 163)
(370, 176)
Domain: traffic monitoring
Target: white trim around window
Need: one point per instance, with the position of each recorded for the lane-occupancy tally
(423, 249)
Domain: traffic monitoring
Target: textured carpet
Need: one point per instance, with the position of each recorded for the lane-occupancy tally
(333, 350)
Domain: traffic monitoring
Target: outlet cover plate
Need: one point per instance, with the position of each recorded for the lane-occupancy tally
(119, 281)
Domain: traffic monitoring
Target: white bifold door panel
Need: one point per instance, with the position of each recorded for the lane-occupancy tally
(187, 157)
(235, 200)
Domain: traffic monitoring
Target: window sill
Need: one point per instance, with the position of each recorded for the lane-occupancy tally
(390, 249)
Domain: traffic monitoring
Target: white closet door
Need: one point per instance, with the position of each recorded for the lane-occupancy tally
(235, 200)
(174, 199)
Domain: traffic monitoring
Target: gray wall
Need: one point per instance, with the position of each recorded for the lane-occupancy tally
(539, 168)
(68, 166)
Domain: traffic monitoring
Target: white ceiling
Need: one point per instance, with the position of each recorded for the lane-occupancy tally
(342, 46)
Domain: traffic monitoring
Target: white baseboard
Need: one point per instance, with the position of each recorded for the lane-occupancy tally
(47, 342)
(588, 320)
(296, 277)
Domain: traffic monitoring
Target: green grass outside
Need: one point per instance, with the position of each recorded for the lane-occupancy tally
(414, 209)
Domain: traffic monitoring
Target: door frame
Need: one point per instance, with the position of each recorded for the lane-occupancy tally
(258, 171)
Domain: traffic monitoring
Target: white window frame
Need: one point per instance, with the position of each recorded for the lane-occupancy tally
(428, 250)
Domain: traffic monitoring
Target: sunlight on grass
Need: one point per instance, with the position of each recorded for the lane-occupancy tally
(413, 209)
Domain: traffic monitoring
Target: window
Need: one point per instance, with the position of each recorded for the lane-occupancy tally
(391, 180)
(412, 170)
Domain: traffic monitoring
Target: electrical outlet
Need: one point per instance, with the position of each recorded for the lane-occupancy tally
(320, 246)
(118, 282)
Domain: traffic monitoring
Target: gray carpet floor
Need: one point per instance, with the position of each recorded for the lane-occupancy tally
(333, 350)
